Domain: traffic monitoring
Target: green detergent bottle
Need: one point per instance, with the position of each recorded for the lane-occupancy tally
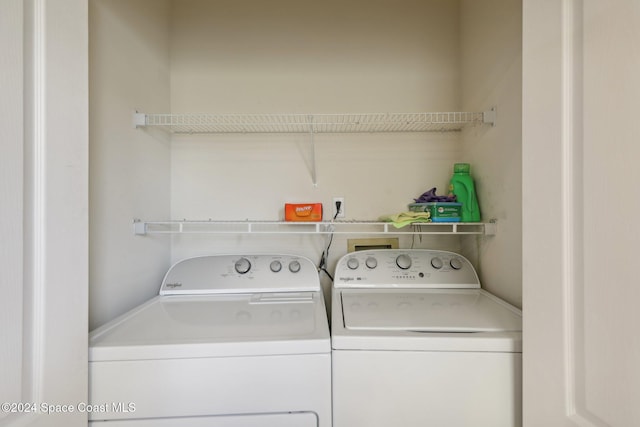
(462, 186)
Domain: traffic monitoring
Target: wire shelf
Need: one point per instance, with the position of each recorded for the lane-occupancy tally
(313, 123)
(324, 227)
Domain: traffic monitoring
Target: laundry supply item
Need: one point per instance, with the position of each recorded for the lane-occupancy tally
(463, 187)
(304, 212)
(440, 211)
(430, 196)
(403, 219)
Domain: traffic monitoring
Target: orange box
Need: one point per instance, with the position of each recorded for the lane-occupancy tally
(303, 212)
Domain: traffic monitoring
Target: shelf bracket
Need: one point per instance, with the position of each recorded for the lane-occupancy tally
(489, 117)
(139, 119)
(139, 227)
(491, 227)
(313, 152)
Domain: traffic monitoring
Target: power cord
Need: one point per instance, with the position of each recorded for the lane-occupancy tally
(322, 266)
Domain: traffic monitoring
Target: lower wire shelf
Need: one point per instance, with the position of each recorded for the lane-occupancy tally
(141, 227)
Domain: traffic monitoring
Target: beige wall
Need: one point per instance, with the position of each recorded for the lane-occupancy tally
(491, 33)
(320, 57)
(129, 169)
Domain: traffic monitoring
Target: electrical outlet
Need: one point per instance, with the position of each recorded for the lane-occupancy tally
(338, 213)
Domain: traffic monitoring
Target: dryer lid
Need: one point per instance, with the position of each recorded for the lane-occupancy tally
(465, 310)
(215, 326)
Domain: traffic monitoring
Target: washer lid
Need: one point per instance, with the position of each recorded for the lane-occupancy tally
(213, 326)
(465, 310)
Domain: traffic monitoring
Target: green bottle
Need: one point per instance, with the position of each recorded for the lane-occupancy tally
(462, 186)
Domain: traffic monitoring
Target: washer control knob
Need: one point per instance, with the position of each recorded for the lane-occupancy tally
(294, 266)
(455, 263)
(275, 266)
(403, 261)
(243, 265)
(436, 263)
(371, 262)
(353, 263)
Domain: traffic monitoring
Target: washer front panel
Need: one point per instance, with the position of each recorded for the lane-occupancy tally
(208, 386)
(426, 389)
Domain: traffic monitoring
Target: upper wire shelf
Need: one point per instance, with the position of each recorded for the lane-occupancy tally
(314, 123)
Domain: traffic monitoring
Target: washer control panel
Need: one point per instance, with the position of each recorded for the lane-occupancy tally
(241, 274)
(243, 265)
(405, 268)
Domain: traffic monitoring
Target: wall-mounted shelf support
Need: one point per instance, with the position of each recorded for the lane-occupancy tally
(325, 227)
(314, 179)
(489, 117)
(139, 119)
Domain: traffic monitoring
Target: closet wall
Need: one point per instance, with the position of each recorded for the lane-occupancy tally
(129, 171)
(491, 63)
(287, 56)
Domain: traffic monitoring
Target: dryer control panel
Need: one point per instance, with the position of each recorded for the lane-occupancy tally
(243, 273)
(405, 268)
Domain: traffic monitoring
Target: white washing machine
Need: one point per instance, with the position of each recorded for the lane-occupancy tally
(417, 342)
(229, 341)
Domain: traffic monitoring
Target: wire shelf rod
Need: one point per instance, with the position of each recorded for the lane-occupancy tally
(314, 123)
(324, 227)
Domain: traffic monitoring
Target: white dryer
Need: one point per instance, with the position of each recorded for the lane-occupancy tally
(417, 342)
(229, 341)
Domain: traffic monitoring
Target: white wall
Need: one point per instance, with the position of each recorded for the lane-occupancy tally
(129, 69)
(492, 76)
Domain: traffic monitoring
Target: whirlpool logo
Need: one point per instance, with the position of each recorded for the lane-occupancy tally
(173, 285)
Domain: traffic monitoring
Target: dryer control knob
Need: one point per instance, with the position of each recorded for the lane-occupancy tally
(243, 265)
(436, 263)
(353, 263)
(403, 261)
(371, 262)
(455, 263)
(275, 266)
(294, 266)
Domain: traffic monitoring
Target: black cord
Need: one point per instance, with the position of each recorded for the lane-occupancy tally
(322, 266)
(324, 258)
